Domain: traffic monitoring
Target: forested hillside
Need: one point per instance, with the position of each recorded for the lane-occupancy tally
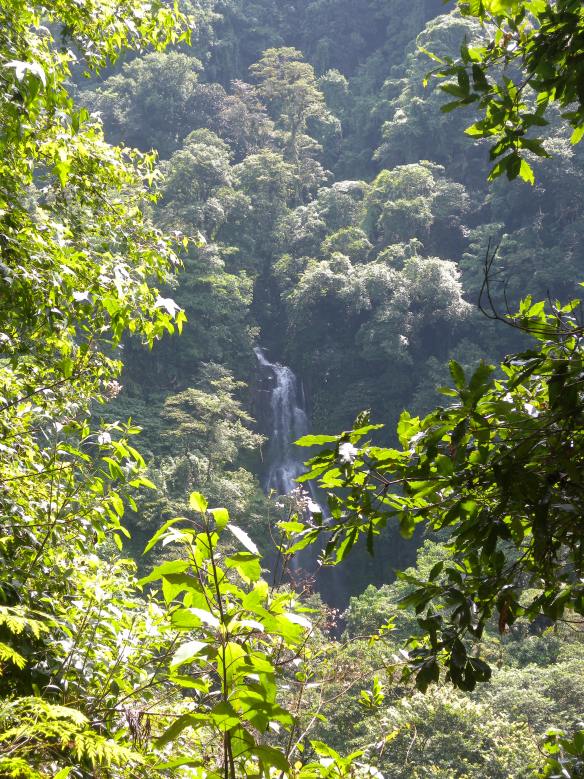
(231, 224)
(343, 222)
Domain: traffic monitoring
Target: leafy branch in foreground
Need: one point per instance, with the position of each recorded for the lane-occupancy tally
(80, 262)
(245, 645)
(531, 59)
(500, 471)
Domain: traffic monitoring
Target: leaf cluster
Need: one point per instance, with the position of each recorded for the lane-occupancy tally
(531, 59)
(500, 472)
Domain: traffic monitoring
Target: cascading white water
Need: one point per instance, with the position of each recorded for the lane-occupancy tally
(289, 422)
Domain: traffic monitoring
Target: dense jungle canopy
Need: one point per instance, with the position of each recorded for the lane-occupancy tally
(229, 224)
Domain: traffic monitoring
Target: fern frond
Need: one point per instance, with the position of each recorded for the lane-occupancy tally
(40, 710)
(17, 620)
(9, 655)
(29, 723)
(99, 750)
(17, 768)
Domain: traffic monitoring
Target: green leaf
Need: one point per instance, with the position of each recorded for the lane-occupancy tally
(299, 619)
(175, 583)
(316, 440)
(271, 758)
(117, 503)
(324, 750)
(480, 380)
(7, 654)
(246, 564)
(159, 533)
(457, 374)
(500, 167)
(577, 135)
(193, 617)
(463, 80)
(224, 716)
(447, 108)
(430, 54)
(243, 538)
(513, 165)
(448, 391)
(534, 145)
(454, 89)
(187, 653)
(180, 724)
(428, 674)
(221, 517)
(190, 682)
(197, 502)
(173, 566)
(479, 79)
(346, 545)
(144, 482)
(62, 169)
(407, 427)
(23, 68)
(526, 172)
(458, 654)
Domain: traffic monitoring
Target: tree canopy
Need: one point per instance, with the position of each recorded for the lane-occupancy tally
(296, 196)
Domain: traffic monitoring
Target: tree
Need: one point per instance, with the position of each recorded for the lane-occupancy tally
(251, 645)
(531, 60)
(388, 313)
(80, 262)
(415, 104)
(492, 470)
(291, 89)
(209, 421)
(501, 472)
(217, 305)
(403, 203)
(155, 101)
(193, 178)
(244, 120)
(266, 183)
(82, 650)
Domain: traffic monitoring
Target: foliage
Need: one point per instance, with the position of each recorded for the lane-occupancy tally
(152, 102)
(415, 102)
(290, 87)
(443, 734)
(362, 279)
(565, 751)
(247, 635)
(242, 633)
(205, 433)
(531, 59)
(481, 469)
(80, 260)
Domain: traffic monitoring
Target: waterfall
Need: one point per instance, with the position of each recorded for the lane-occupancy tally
(288, 423)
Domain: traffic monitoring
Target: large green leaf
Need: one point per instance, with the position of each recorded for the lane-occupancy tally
(243, 538)
(187, 653)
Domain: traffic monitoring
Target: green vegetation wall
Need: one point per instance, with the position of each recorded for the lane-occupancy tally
(338, 218)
